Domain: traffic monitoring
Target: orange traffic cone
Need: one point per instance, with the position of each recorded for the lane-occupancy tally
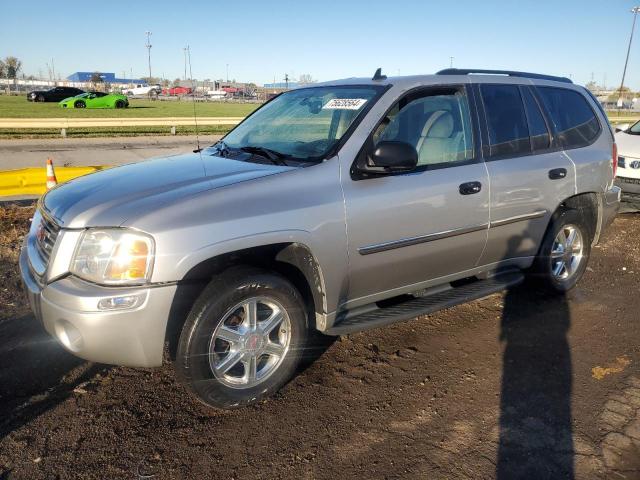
(52, 181)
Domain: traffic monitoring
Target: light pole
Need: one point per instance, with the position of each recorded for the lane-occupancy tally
(635, 11)
(185, 62)
(227, 73)
(148, 45)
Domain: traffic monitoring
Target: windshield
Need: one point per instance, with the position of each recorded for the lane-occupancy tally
(635, 128)
(305, 123)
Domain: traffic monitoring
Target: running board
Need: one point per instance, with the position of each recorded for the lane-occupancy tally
(426, 305)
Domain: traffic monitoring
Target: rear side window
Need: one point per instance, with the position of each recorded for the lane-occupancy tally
(575, 122)
(540, 138)
(506, 120)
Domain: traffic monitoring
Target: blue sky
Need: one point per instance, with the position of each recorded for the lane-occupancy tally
(327, 39)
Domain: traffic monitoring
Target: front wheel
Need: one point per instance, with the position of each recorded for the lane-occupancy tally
(80, 104)
(564, 252)
(120, 104)
(40, 98)
(243, 339)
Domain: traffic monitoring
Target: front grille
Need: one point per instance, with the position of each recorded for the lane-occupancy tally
(46, 236)
(634, 181)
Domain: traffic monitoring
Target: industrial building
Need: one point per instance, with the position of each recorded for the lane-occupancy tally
(107, 77)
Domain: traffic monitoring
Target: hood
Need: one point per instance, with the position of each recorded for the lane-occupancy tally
(628, 144)
(109, 197)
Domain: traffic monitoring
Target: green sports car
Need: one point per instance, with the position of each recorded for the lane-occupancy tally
(96, 100)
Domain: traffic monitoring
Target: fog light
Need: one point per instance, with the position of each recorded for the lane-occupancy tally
(120, 303)
(68, 335)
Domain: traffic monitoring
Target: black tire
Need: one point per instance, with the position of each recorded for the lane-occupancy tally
(542, 271)
(40, 98)
(120, 104)
(80, 104)
(211, 309)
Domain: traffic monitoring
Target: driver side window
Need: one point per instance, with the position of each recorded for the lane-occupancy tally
(438, 126)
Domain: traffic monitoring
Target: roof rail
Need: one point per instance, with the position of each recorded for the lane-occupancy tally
(471, 71)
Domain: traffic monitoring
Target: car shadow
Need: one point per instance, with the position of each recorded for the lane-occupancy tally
(536, 433)
(37, 373)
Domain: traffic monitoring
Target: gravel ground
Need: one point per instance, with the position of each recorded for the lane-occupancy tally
(516, 385)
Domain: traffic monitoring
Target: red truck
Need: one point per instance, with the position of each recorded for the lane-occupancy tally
(177, 91)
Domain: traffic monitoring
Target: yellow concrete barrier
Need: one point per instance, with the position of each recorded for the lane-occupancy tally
(32, 181)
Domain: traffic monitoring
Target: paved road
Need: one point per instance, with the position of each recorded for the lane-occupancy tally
(514, 386)
(22, 153)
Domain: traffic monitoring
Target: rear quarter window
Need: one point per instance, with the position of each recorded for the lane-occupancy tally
(575, 121)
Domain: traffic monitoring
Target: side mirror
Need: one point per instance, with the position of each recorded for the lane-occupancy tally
(623, 127)
(392, 156)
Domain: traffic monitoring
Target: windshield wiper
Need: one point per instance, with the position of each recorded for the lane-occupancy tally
(276, 157)
(221, 148)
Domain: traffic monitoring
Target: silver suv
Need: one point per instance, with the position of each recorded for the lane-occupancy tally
(331, 209)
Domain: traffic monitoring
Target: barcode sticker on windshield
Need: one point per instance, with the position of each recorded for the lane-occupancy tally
(344, 104)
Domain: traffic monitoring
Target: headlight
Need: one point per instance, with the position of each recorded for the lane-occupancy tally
(114, 257)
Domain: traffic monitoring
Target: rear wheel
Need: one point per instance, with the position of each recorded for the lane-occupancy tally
(564, 252)
(119, 104)
(243, 339)
(80, 104)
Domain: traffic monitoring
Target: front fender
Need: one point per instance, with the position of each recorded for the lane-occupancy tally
(299, 253)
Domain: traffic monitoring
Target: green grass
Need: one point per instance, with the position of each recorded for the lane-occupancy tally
(86, 132)
(19, 107)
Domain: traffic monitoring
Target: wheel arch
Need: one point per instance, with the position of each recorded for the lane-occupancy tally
(590, 206)
(293, 260)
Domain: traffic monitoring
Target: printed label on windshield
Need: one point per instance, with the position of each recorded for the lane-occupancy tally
(344, 104)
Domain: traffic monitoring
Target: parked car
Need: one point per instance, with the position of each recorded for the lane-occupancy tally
(146, 90)
(332, 209)
(96, 100)
(217, 94)
(628, 176)
(177, 91)
(53, 95)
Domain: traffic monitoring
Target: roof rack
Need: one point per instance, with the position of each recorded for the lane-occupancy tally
(471, 71)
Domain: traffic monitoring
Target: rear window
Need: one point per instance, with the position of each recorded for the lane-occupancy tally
(575, 122)
(506, 120)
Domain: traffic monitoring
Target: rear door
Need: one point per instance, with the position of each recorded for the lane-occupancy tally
(405, 229)
(529, 172)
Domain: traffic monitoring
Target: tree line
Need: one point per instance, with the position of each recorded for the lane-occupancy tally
(10, 67)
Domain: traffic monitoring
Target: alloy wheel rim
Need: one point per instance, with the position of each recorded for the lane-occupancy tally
(566, 253)
(250, 342)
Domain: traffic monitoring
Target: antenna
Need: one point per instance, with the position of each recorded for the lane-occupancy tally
(378, 75)
(193, 99)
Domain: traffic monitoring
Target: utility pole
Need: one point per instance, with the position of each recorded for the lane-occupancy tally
(148, 45)
(185, 62)
(635, 11)
(227, 73)
(286, 81)
(450, 62)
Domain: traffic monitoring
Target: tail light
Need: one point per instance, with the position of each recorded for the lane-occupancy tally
(614, 159)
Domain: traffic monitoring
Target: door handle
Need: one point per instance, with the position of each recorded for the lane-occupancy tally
(470, 188)
(557, 173)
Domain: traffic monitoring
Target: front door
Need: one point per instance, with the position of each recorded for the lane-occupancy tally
(405, 229)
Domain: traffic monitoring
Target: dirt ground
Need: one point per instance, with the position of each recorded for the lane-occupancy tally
(517, 385)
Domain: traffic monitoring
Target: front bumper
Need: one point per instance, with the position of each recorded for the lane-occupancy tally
(630, 188)
(68, 310)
